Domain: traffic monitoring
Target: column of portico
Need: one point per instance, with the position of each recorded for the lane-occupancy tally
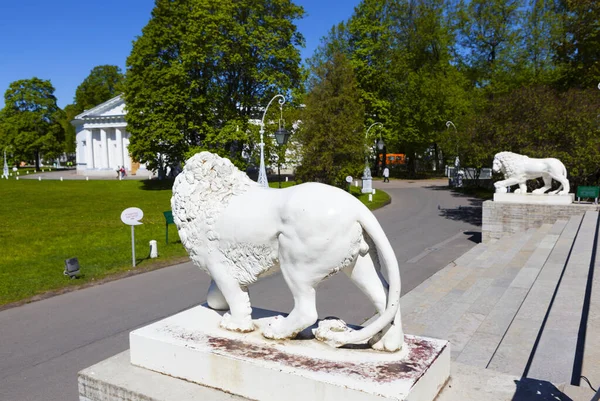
(119, 138)
(104, 151)
(89, 149)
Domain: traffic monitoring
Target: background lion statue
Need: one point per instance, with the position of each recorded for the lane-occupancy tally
(238, 231)
(517, 169)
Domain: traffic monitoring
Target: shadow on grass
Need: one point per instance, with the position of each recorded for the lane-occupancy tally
(537, 390)
(157, 185)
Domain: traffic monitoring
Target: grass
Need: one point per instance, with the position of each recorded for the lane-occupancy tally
(380, 199)
(42, 223)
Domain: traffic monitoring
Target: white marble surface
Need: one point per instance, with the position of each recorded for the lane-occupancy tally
(517, 169)
(546, 199)
(191, 346)
(238, 232)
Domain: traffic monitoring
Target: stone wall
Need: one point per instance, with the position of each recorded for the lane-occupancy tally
(501, 218)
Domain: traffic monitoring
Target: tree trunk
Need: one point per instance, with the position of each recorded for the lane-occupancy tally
(36, 154)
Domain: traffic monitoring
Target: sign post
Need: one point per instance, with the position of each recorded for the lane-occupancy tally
(132, 216)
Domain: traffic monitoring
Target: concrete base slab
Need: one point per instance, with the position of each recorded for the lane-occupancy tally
(545, 199)
(191, 346)
(116, 379)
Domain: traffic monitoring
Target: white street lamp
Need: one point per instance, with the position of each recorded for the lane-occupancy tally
(366, 178)
(5, 169)
(262, 173)
(457, 177)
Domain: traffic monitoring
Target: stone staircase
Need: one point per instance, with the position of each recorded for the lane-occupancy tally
(527, 305)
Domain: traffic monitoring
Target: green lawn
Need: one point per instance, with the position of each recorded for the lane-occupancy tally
(42, 223)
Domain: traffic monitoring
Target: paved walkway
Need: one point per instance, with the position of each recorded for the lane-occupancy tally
(44, 344)
(72, 175)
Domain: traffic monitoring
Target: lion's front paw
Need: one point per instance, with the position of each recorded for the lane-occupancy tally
(244, 325)
(518, 191)
(277, 329)
(500, 190)
(563, 193)
(539, 191)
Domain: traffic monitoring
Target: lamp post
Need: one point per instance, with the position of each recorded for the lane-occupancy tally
(457, 178)
(5, 169)
(262, 173)
(366, 178)
(281, 136)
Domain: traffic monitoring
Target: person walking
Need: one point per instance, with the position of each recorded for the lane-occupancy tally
(386, 174)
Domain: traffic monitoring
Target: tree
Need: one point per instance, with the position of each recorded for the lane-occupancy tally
(201, 69)
(540, 121)
(579, 47)
(332, 130)
(31, 120)
(489, 32)
(103, 83)
(426, 88)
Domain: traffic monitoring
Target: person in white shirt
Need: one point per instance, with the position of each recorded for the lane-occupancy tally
(386, 175)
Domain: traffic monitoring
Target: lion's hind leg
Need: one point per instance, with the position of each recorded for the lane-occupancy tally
(565, 187)
(547, 185)
(304, 313)
(373, 285)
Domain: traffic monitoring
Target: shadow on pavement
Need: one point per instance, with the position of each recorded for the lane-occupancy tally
(537, 390)
(468, 214)
(475, 236)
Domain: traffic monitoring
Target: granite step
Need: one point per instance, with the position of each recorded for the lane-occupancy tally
(591, 355)
(512, 353)
(494, 310)
(441, 307)
(554, 355)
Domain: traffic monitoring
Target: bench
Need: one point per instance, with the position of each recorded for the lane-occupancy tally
(169, 220)
(588, 192)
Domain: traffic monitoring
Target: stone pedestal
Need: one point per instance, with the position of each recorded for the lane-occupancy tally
(538, 199)
(191, 346)
(502, 218)
(367, 185)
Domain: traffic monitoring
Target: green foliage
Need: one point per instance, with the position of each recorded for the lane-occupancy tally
(103, 83)
(579, 47)
(31, 120)
(332, 130)
(542, 122)
(490, 31)
(201, 69)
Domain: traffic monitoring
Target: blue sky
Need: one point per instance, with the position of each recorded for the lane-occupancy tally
(62, 40)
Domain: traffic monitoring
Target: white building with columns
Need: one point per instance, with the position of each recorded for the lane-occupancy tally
(103, 140)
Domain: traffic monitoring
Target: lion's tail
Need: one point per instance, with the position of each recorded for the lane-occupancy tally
(388, 258)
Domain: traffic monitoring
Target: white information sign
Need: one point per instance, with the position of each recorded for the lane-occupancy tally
(349, 179)
(132, 216)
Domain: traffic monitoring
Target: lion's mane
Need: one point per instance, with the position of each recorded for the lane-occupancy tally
(200, 193)
(512, 163)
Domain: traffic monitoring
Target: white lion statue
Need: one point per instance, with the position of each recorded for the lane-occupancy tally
(238, 232)
(517, 169)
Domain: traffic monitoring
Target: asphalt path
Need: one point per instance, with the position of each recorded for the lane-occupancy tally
(44, 344)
